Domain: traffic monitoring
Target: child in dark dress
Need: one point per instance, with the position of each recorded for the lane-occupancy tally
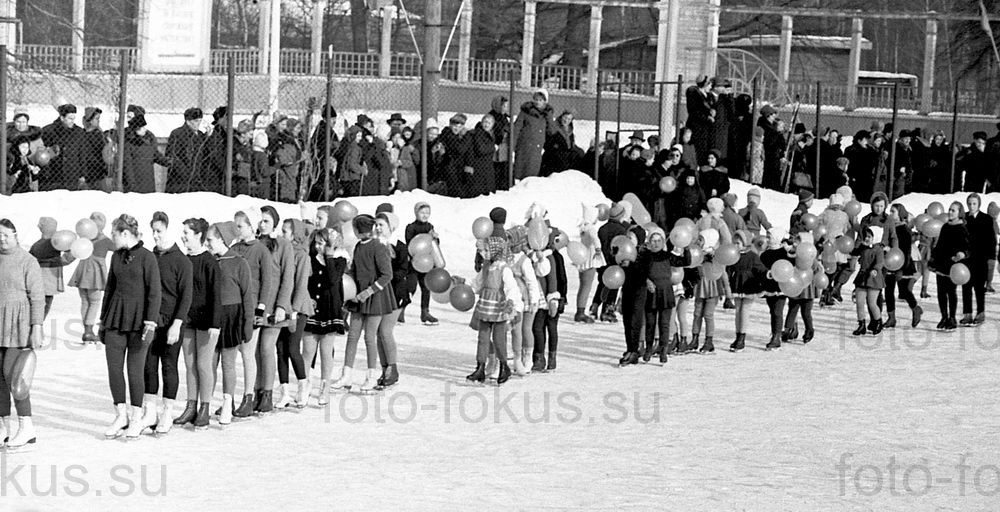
(746, 278)
(870, 280)
(328, 260)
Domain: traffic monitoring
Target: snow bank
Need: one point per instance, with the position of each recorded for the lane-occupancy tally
(562, 194)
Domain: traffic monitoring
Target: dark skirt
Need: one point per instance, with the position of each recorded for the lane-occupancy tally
(232, 331)
(661, 299)
(322, 327)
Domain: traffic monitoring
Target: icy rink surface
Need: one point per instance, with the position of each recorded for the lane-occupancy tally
(906, 421)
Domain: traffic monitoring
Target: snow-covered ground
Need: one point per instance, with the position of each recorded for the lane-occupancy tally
(905, 421)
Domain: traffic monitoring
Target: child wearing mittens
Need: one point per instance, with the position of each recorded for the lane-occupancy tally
(707, 290)
(498, 292)
(371, 268)
(746, 278)
(660, 298)
(870, 280)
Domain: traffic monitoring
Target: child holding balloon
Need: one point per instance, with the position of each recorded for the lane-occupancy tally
(498, 292)
(588, 257)
(777, 259)
(900, 269)
(51, 258)
(91, 274)
(805, 262)
(420, 225)
(708, 287)
(870, 280)
(662, 269)
(746, 277)
(952, 247)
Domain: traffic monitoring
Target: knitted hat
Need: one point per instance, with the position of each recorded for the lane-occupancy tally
(767, 110)
(253, 216)
(845, 192)
(47, 225)
(617, 211)
(879, 196)
(227, 231)
(390, 218)
(836, 200)
(363, 224)
(270, 211)
(754, 192)
(744, 237)
(420, 206)
(517, 238)
(498, 215)
(66, 109)
(729, 199)
(715, 206)
(657, 230)
(805, 195)
(495, 247)
(544, 93)
(384, 207)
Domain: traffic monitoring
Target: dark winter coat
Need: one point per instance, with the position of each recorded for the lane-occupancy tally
(183, 148)
(371, 269)
(64, 170)
(458, 148)
(176, 285)
(864, 160)
(768, 258)
(701, 121)
(501, 128)
(482, 181)
(979, 171)
(982, 236)
(92, 164)
(939, 169)
(606, 234)
(953, 239)
(774, 151)
(870, 258)
(714, 181)
(529, 132)
(141, 152)
(561, 152)
(687, 201)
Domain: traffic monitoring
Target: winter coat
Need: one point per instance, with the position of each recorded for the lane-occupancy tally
(64, 170)
(458, 149)
(979, 169)
(606, 234)
(529, 132)
(725, 116)
(371, 268)
(183, 147)
(939, 169)
(864, 162)
(350, 165)
(701, 121)
(884, 221)
(91, 163)
(561, 152)
(755, 219)
(687, 201)
(982, 236)
(501, 128)
(747, 275)
(141, 152)
(714, 181)
(482, 181)
(768, 258)
(774, 151)
(953, 239)
(870, 258)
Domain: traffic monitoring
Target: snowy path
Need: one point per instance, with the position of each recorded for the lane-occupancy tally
(812, 427)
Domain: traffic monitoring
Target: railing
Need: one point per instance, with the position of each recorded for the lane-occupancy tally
(60, 58)
(404, 65)
(247, 61)
(557, 77)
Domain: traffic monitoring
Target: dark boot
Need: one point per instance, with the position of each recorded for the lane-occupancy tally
(951, 325)
(381, 380)
(808, 336)
(891, 322)
(663, 352)
(917, 313)
(552, 362)
(673, 345)
(245, 410)
(708, 347)
(739, 344)
(683, 347)
(875, 326)
(835, 295)
(943, 324)
(504, 375)
(861, 330)
(402, 316)
(693, 346)
(728, 304)
(88, 334)
(966, 320)
(190, 411)
(201, 421)
(266, 404)
(629, 358)
(256, 400)
(980, 319)
(775, 342)
(582, 318)
(479, 375)
(427, 319)
(648, 353)
(391, 376)
(538, 363)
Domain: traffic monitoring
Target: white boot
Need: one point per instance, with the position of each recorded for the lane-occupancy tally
(137, 423)
(284, 399)
(4, 431)
(526, 361)
(324, 393)
(226, 416)
(345, 379)
(149, 410)
(25, 433)
(370, 381)
(492, 368)
(518, 365)
(166, 417)
(302, 397)
(118, 426)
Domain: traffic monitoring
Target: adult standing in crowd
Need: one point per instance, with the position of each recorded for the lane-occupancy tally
(774, 147)
(725, 115)
(740, 133)
(457, 151)
(92, 144)
(534, 123)
(829, 147)
(318, 148)
(561, 152)
(183, 147)
(701, 116)
(482, 181)
(63, 136)
(982, 248)
(212, 157)
(979, 171)
(500, 110)
(141, 152)
(939, 165)
(864, 160)
(22, 127)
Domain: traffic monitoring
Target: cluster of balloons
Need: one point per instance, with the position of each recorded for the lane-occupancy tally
(794, 278)
(79, 242)
(425, 253)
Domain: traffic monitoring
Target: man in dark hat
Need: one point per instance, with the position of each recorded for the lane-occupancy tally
(396, 122)
(92, 154)
(183, 146)
(903, 171)
(63, 136)
(21, 127)
(980, 172)
(458, 148)
(318, 145)
(209, 171)
(133, 110)
(725, 116)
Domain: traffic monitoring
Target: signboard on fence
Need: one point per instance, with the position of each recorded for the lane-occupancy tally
(174, 35)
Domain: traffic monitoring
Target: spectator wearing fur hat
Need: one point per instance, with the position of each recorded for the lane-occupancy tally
(183, 146)
(64, 137)
(457, 142)
(141, 151)
(534, 123)
(209, 173)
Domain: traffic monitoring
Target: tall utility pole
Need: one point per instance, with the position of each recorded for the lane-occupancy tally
(432, 75)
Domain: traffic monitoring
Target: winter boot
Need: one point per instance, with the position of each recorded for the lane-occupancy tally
(25, 434)
(582, 318)
(227, 410)
(673, 345)
(166, 419)
(479, 375)
(302, 395)
(683, 347)
(775, 342)
(917, 313)
(875, 326)
(245, 410)
(891, 322)
(861, 330)
(190, 411)
(504, 374)
(201, 421)
(790, 333)
(966, 320)
(391, 376)
(402, 316)
(943, 324)
(324, 393)
(136, 423)
(381, 379)
(629, 358)
(979, 319)
(808, 336)
(149, 410)
(708, 347)
(739, 344)
(648, 353)
(951, 325)
(371, 381)
(693, 346)
(285, 398)
(120, 423)
(88, 334)
(538, 364)
(518, 365)
(344, 381)
(426, 318)
(266, 403)
(552, 362)
(664, 356)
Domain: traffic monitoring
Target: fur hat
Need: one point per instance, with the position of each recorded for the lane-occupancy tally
(729, 199)
(193, 113)
(805, 195)
(136, 110)
(90, 112)
(836, 200)
(227, 231)
(363, 224)
(420, 206)
(219, 113)
(66, 109)
(767, 110)
(715, 206)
